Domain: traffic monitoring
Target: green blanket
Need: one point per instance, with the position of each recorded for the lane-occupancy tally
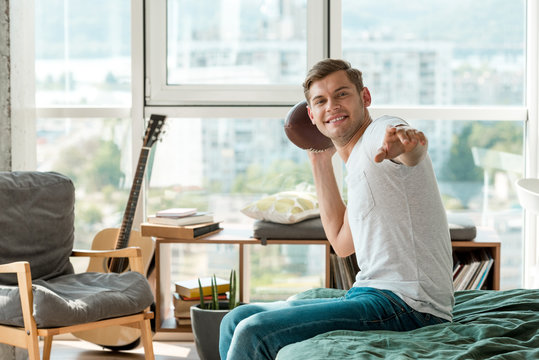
(486, 325)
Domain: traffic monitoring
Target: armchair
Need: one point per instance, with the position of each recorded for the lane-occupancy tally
(40, 295)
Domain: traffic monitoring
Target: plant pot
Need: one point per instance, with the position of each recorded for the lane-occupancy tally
(205, 324)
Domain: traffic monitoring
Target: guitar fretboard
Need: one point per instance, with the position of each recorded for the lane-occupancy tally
(117, 265)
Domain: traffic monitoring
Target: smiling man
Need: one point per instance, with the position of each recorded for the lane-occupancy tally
(394, 221)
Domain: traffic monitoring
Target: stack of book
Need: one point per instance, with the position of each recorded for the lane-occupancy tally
(470, 269)
(180, 223)
(180, 217)
(187, 294)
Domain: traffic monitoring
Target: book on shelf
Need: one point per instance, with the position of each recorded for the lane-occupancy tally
(466, 261)
(183, 321)
(176, 212)
(345, 276)
(472, 270)
(190, 288)
(182, 304)
(180, 232)
(486, 264)
(197, 218)
(343, 271)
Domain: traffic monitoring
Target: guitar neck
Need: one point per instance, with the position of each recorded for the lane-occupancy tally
(131, 208)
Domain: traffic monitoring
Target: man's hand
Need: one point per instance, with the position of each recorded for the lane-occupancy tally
(402, 144)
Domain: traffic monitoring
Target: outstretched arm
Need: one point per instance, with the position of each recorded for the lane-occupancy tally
(332, 209)
(403, 144)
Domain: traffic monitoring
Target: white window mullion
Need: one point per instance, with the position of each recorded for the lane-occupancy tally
(83, 112)
(467, 113)
(531, 230)
(317, 31)
(137, 96)
(335, 29)
(156, 30)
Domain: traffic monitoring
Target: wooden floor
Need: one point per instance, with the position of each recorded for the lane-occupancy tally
(81, 350)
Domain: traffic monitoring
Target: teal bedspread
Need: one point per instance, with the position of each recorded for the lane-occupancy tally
(486, 325)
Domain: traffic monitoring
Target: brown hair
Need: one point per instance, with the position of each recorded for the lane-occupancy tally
(328, 66)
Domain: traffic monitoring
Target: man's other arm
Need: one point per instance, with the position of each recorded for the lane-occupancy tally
(333, 212)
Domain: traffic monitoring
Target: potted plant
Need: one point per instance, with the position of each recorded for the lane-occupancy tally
(206, 318)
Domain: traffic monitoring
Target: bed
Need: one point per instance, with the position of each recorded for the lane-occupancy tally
(487, 324)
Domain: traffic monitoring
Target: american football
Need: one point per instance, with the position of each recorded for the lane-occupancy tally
(301, 131)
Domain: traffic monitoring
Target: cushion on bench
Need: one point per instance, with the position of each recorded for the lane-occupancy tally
(461, 227)
(304, 230)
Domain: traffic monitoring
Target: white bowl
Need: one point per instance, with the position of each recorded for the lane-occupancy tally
(528, 194)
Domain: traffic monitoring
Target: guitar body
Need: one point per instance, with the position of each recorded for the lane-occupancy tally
(106, 240)
(117, 337)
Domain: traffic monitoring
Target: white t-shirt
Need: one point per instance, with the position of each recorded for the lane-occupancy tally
(399, 226)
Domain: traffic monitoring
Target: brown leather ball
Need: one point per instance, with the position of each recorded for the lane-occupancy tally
(301, 131)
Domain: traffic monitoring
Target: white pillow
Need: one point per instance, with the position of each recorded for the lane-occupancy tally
(286, 207)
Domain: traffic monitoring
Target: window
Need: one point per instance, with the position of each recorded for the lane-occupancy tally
(440, 59)
(239, 52)
(83, 92)
(222, 164)
(83, 53)
(226, 72)
(239, 43)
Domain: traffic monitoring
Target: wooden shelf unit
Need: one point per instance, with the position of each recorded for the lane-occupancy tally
(165, 321)
(493, 277)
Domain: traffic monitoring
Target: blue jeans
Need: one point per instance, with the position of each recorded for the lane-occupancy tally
(259, 330)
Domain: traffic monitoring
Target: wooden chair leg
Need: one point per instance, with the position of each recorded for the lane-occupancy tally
(146, 337)
(33, 347)
(47, 346)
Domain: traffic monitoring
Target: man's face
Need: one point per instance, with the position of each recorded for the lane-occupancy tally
(336, 107)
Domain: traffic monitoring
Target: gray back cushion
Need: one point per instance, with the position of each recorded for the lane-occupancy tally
(36, 222)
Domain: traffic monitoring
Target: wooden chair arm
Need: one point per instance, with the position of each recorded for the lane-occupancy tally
(133, 253)
(24, 279)
(125, 252)
(14, 267)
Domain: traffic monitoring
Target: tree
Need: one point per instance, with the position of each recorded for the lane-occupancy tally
(460, 165)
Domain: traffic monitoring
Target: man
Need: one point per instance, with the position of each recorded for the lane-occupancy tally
(394, 221)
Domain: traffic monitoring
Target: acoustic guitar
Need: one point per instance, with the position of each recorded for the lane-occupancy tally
(124, 337)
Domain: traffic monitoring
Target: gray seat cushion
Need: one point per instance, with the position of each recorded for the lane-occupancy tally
(461, 227)
(78, 298)
(36, 218)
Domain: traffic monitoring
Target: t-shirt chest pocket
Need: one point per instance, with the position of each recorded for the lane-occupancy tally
(360, 199)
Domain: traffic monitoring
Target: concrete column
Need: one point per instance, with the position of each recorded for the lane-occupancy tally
(5, 88)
